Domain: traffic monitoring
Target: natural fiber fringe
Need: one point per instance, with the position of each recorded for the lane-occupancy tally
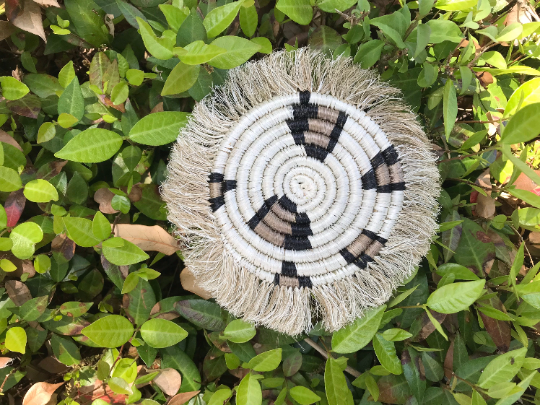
(186, 192)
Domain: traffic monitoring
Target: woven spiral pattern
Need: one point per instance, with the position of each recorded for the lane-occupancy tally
(303, 190)
(307, 189)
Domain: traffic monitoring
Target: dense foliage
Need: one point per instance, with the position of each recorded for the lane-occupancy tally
(93, 93)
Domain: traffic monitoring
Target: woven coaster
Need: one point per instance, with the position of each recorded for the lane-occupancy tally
(303, 190)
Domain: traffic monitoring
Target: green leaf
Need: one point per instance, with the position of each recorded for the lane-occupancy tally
(220, 18)
(527, 93)
(119, 386)
(460, 272)
(130, 283)
(9, 179)
(201, 313)
(424, 7)
(359, 333)
(502, 368)
(101, 227)
(75, 308)
(175, 358)
(444, 30)
(174, 15)
(369, 53)
(66, 75)
(239, 50)
(525, 168)
(42, 85)
(12, 89)
(160, 48)
(16, 340)
(220, 397)
(80, 231)
(249, 19)
(87, 19)
(455, 5)
(181, 79)
(386, 353)
(159, 128)
(239, 331)
(522, 127)
(139, 302)
(456, 297)
(32, 309)
(66, 120)
(130, 12)
(330, 6)
(475, 249)
(337, 392)
(122, 252)
(396, 335)
(160, 333)
(126, 369)
(510, 32)
(264, 43)
(450, 107)
(72, 101)
(393, 26)
(40, 191)
(47, 131)
(304, 396)
(192, 29)
(135, 77)
(433, 369)
(300, 11)
(24, 238)
(120, 93)
(65, 350)
(110, 331)
(266, 361)
(93, 145)
(198, 52)
(249, 391)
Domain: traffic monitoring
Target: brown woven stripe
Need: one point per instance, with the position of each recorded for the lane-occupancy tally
(288, 281)
(374, 249)
(382, 175)
(328, 114)
(316, 139)
(268, 234)
(320, 126)
(283, 213)
(216, 189)
(359, 245)
(396, 173)
(277, 224)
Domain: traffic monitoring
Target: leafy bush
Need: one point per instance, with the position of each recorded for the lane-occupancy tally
(91, 305)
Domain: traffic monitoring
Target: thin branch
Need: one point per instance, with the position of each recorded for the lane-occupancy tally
(466, 156)
(326, 355)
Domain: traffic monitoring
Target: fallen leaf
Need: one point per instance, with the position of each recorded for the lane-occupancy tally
(153, 238)
(6, 29)
(157, 108)
(169, 381)
(104, 197)
(52, 365)
(30, 19)
(189, 283)
(23, 267)
(40, 393)
(182, 398)
(485, 206)
(427, 327)
(62, 244)
(18, 292)
(47, 3)
(5, 361)
(524, 182)
(4, 136)
(135, 194)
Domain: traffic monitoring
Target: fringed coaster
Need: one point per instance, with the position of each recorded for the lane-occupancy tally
(303, 190)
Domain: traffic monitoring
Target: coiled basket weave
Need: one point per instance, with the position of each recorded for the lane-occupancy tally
(303, 190)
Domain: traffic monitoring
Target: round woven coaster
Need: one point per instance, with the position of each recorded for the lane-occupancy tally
(303, 190)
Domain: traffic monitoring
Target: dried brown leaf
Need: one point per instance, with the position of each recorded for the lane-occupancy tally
(169, 381)
(62, 244)
(30, 19)
(104, 197)
(4, 136)
(189, 283)
(52, 365)
(18, 292)
(182, 398)
(40, 393)
(6, 29)
(47, 3)
(427, 327)
(153, 238)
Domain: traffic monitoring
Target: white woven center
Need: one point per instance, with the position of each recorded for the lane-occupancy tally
(307, 188)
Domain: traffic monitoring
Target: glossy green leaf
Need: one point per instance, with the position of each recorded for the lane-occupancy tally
(80, 231)
(450, 107)
(359, 333)
(40, 191)
(161, 48)
(369, 53)
(456, 297)
(249, 391)
(72, 101)
(9, 179)
(122, 252)
(16, 340)
(181, 79)
(46, 132)
(337, 391)
(304, 396)
(24, 238)
(91, 146)
(161, 333)
(65, 350)
(386, 353)
(455, 5)
(239, 50)
(300, 11)
(220, 18)
(249, 20)
(502, 368)
(12, 89)
(266, 361)
(198, 52)
(158, 128)
(101, 227)
(109, 331)
(239, 331)
(522, 126)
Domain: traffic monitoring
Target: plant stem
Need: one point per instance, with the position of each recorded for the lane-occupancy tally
(466, 156)
(326, 355)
